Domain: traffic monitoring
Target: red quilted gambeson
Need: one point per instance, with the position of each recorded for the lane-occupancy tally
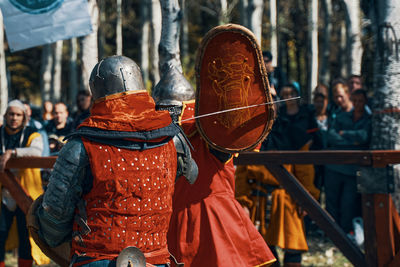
(130, 203)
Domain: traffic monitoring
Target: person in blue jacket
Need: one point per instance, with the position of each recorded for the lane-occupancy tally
(349, 130)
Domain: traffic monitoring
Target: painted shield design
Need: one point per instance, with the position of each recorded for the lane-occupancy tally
(230, 75)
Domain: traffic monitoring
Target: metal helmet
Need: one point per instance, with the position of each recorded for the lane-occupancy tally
(172, 89)
(113, 75)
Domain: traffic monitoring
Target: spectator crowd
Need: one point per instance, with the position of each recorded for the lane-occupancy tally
(338, 118)
(55, 121)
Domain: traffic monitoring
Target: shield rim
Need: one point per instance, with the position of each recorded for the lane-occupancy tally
(270, 107)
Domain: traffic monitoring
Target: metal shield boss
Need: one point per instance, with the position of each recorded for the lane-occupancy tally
(60, 254)
(230, 74)
(131, 257)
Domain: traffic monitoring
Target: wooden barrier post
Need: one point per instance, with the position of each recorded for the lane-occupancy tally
(19, 194)
(11, 182)
(382, 230)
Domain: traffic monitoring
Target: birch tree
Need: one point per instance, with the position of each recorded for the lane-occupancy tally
(57, 68)
(274, 34)
(101, 30)
(326, 43)
(223, 14)
(3, 72)
(344, 50)
(185, 32)
(386, 100)
(144, 39)
(169, 44)
(118, 29)
(89, 49)
(313, 46)
(155, 40)
(46, 67)
(353, 31)
(255, 11)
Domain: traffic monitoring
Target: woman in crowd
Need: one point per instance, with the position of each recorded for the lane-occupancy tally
(320, 102)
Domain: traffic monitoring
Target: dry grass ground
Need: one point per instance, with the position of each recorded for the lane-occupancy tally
(321, 253)
(12, 260)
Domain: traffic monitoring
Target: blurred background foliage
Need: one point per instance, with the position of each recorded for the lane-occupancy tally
(292, 30)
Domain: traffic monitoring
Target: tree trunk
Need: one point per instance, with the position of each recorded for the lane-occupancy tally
(287, 55)
(324, 74)
(102, 22)
(57, 68)
(343, 50)
(353, 30)
(89, 49)
(223, 14)
(46, 72)
(386, 100)
(185, 33)
(274, 33)
(3, 72)
(299, 64)
(118, 29)
(313, 46)
(155, 40)
(73, 74)
(255, 13)
(169, 45)
(144, 39)
(305, 76)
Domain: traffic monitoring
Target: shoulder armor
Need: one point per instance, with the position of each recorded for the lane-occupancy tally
(65, 182)
(186, 165)
(73, 151)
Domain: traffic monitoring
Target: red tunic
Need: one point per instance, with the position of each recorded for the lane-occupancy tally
(208, 226)
(130, 203)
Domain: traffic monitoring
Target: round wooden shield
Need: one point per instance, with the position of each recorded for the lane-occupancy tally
(234, 107)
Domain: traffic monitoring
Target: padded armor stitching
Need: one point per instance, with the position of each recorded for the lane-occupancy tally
(66, 180)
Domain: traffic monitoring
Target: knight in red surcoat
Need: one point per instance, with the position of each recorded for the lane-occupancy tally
(112, 184)
(208, 226)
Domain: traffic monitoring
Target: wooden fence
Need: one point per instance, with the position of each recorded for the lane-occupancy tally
(381, 220)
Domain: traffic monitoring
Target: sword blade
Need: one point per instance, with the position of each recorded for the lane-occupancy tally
(239, 108)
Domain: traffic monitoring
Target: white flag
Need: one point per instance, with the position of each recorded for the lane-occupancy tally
(30, 23)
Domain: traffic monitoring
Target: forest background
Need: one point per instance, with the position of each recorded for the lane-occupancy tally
(311, 40)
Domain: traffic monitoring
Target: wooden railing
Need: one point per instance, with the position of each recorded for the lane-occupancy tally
(381, 220)
(11, 182)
